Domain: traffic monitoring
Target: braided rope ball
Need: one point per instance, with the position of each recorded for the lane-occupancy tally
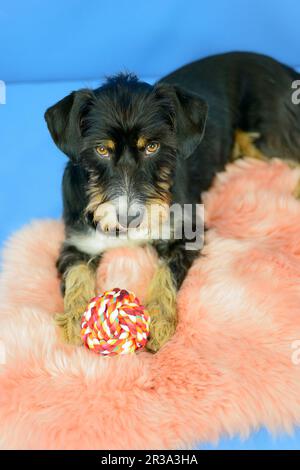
(115, 322)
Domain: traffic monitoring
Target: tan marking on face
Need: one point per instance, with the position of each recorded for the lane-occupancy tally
(164, 182)
(165, 172)
(95, 201)
(96, 196)
(165, 186)
(159, 197)
(141, 143)
(109, 144)
(161, 193)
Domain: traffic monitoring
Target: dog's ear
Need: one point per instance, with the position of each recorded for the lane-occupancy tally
(189, 113)
(64, 121)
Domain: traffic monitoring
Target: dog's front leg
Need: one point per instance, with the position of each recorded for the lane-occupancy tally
(78, 286)
(175, 261)
(161, 306)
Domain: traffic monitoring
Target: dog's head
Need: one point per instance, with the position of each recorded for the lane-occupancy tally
(129, 137)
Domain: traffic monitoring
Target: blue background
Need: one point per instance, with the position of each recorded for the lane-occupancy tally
(48, 48)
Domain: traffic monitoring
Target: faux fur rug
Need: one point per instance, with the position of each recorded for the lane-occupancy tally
(232, 366)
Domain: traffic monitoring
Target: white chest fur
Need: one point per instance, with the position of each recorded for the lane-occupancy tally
(95, 242)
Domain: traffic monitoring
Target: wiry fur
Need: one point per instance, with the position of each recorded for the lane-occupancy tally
(249, 92)
(128, 114)
(79, 289)
(227, 370)
(161, 305)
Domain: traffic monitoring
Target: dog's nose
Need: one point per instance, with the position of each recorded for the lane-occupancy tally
(132, 218)
(127, 162)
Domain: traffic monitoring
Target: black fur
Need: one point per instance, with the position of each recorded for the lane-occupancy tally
(246, 91)
(242, 90)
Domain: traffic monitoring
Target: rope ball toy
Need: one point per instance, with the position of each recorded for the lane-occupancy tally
(114, 323)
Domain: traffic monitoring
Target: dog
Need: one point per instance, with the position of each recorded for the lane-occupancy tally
(133, 146)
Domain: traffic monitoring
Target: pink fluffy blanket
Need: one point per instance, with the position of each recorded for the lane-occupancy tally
(232, 366)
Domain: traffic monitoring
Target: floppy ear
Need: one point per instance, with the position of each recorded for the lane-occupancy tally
(189, 114)
(64, 121)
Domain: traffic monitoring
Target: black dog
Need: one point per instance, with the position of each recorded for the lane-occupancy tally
(132, 145)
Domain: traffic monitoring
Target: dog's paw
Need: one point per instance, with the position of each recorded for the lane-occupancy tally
(70, 327)
(162, 327)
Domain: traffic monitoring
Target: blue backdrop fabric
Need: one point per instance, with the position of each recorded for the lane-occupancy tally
(49, 48)
(76, 39)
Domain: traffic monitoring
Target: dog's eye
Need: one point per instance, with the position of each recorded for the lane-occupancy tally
(152, 147)
(102, 150)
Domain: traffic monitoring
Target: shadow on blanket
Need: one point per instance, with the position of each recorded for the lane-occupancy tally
(230, 367)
